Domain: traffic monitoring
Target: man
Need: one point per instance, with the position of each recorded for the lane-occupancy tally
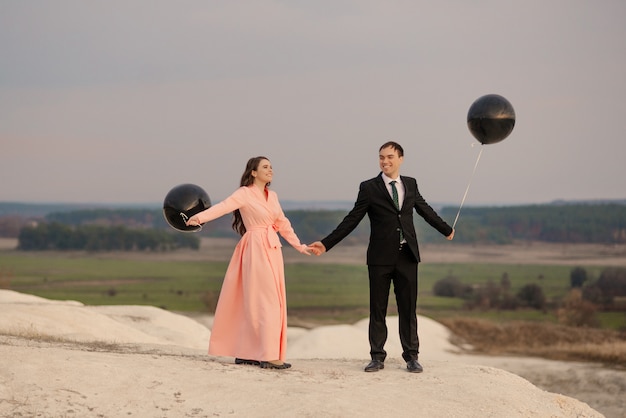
(392, 254)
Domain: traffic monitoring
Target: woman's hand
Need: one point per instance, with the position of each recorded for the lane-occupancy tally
(193, 221)
(314, 250)
(317, 248)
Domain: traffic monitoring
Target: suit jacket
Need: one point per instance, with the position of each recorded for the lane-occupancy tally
(386, 221)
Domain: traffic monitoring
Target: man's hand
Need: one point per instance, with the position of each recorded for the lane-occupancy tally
(317, 248)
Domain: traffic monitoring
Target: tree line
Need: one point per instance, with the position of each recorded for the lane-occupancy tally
(564, 223)
(603, 223)
(61, 237)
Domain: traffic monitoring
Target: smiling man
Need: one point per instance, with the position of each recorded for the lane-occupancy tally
(392, 254)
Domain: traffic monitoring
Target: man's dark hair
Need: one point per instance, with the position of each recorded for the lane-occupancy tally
(393, 145)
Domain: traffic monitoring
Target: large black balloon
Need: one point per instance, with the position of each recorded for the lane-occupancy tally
(491, 118)
(181, 203)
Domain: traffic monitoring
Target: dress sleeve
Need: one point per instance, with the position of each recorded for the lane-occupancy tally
(286, 230)
(228, 205)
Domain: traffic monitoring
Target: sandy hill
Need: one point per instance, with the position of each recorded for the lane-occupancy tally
(65, 359)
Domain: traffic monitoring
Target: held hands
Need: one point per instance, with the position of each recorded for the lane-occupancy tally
(317, 248)
(308, 249)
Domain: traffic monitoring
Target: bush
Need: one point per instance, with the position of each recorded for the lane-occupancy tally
(532, 295)
(578, 277)
(577, 312)
(449, 287)
(612, 282)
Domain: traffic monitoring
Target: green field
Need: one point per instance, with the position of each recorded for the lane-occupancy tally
(316, 293)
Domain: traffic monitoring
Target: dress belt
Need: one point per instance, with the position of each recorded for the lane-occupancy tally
(272, 237)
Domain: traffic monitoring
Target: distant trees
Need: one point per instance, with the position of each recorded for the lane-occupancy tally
(577, 308)
(489, 295)
(58, 236)
(450, 287)
(612, 282)
(578, 277)
(607, 292)
(532, 295)
(570, 223)
(311, 225)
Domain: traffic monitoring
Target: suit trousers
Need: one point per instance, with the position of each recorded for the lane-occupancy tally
(403, 275)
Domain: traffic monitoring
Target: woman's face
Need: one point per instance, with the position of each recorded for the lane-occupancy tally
(264, 172)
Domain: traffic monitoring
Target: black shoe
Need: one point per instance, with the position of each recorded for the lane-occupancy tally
(246, 361)
(414, 367)
(270, 365)
(374, 366)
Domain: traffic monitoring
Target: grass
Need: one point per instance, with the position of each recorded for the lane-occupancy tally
(317, 293)
(95, 281)
(552, 341)
(326, 294)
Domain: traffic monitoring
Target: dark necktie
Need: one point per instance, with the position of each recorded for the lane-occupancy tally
(396, 201)
(394, 194)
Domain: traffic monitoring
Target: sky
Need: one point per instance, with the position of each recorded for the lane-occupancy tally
(119, 101)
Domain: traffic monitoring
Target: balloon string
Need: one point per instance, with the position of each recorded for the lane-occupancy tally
(468, 186)
(186, 218)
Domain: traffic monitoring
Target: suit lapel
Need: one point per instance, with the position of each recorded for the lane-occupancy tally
(382, 188)
(406, 190)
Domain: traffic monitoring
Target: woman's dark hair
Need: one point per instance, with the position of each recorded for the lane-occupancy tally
(246, 180)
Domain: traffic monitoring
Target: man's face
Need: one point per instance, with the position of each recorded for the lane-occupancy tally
(390, 162)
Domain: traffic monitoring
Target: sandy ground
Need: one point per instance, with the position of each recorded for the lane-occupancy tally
(63, 359)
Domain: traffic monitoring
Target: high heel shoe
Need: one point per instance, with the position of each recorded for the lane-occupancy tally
(270, 365)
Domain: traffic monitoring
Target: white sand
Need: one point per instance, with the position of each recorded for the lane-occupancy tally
(64, 359)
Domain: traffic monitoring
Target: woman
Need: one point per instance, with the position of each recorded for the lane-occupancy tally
(251, 316)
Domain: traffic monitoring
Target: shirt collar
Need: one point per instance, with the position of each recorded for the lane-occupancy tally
(387, 179)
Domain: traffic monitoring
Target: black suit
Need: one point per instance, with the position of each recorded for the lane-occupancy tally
(387, 260)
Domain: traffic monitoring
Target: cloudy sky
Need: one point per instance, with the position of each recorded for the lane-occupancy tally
(119, 101)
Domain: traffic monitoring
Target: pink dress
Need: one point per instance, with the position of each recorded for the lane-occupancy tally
(251, 314)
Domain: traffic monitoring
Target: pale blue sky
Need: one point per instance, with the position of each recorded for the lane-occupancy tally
(118, 101)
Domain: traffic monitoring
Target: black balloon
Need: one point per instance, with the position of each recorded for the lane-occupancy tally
(181, 203)
(491, 118)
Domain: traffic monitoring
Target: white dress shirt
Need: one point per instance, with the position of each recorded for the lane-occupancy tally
(399, 187)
